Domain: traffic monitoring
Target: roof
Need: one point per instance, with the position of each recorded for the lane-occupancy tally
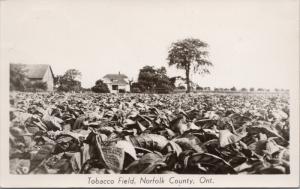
(117, 79)
(115, 76)
(35, 71)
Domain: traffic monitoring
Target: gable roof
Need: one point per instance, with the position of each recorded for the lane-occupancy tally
(115, 76)
(35, 71)
(117, 79)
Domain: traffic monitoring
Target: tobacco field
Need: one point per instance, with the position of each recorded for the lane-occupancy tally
(87, 133)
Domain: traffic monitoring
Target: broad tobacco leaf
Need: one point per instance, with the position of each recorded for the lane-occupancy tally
(147, 164)
(226, 137)
(19, 166)
(209, 164)
(44, 153)
(178, 125)
(114, 158)
(264, 147)
(53, 123)
(127, 147)
(189, 142)
(149, 141)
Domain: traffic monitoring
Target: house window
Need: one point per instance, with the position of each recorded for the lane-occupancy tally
(114, 87)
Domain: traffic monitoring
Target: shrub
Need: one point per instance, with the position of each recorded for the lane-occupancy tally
(100, 87)
(233, 89)
(17, 77)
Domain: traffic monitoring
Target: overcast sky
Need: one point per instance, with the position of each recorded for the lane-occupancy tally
(251, 43)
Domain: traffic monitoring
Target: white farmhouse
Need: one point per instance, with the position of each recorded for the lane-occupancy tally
(117, 83)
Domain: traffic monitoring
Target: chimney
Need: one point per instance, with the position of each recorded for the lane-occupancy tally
(119, 73)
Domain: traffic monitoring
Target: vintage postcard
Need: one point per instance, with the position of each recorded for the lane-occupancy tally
(149, 93)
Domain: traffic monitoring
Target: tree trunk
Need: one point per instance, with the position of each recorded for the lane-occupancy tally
(187, 72)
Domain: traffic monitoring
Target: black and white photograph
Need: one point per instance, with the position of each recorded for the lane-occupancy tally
(150, 93)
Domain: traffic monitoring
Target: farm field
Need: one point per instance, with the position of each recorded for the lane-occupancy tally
(84, 133)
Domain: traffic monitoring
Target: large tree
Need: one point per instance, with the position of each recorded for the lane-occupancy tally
(190, 55)
(153, 80)
(17, 77)
(70, 81)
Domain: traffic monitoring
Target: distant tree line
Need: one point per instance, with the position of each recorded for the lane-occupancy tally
(69, 81)
(234, 89)
(189, 54)
(150, 80)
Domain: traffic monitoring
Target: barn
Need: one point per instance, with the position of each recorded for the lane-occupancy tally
(117, 83)
(39, 72)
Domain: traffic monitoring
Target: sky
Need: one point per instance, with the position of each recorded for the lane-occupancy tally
(252, 43)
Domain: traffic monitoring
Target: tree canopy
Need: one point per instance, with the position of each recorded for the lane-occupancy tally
(152, 79)
(100, 87)
(190, 55)
(17, 77)
(70, 81)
